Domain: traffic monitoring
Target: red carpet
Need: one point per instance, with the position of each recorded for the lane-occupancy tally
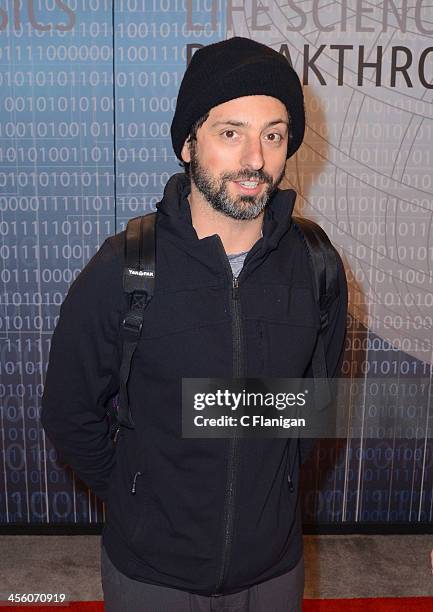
(373, 604)
(370, 604)
(73, 606)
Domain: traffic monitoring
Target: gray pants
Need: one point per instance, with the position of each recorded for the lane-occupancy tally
(121, 594)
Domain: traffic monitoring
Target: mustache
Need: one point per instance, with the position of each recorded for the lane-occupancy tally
(262, 177)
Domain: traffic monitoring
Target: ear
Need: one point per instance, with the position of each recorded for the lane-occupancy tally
(185, 153)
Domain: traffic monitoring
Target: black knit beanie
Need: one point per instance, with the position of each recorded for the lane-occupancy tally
(231, 69)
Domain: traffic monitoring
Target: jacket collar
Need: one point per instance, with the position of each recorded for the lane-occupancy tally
(174, 215)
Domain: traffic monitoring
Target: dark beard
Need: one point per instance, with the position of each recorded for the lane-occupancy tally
(215, 192)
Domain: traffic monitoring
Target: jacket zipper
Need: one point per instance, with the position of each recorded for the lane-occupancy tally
(233, 448)
(290, 483)
(292, 465)
(134, 482)
(289, 471)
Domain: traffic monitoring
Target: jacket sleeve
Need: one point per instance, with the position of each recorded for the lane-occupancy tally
(334, 342)
(83, 369)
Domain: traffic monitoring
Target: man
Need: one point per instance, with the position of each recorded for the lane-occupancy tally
(200, 524)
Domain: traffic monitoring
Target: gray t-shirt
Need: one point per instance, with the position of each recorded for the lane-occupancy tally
(237, 261)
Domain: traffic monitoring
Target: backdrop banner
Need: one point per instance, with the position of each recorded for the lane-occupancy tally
(87, 93)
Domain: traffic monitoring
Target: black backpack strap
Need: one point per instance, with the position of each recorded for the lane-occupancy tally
(324, 267)
(138, 283)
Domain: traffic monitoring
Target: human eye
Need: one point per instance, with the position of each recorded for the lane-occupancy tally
(275, 137)
(228, 134)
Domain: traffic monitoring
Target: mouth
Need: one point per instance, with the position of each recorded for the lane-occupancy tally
(250, 187)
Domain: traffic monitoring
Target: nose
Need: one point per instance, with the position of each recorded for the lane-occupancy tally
(252, 154)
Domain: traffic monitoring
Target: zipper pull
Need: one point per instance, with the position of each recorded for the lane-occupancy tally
(134, 483)
(289, 480)
(235, 293)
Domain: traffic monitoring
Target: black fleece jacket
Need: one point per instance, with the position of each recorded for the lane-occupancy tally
(203, 515)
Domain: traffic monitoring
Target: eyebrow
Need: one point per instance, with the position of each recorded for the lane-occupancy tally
(246, 124)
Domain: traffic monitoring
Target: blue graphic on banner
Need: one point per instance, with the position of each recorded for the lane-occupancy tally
(58, 187)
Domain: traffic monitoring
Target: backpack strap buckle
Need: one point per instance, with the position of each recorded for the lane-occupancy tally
(133, 322)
